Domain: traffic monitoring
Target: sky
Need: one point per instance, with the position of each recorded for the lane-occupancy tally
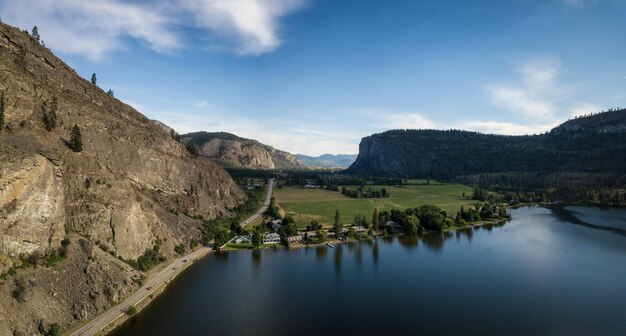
(315, 76)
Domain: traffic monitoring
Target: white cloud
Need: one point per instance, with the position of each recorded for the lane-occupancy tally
(91, 28)
(537, 93)
(503, 128)
(95, 27)
(520, 100)
(583, 109)
(407, 120)
(201, 104)
(253, 24)
(403, 120)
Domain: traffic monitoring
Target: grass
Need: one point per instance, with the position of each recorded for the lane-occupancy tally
(316, 204)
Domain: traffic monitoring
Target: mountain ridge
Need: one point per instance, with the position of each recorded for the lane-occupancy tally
(234, 151)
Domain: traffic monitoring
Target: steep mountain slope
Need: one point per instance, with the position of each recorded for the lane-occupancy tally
(111, 200)
(593, 144)
(233, 151)
(327, 160)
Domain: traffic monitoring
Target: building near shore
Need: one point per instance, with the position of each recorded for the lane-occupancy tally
(271, 238)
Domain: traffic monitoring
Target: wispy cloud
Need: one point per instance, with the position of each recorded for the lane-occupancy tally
(252, 24)
(201, 104)
(96, 27)
(537, 93)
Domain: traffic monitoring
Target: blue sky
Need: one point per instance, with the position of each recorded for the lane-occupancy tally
(315, 76)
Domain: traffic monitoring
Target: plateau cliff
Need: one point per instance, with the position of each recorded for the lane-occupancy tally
(593, 144)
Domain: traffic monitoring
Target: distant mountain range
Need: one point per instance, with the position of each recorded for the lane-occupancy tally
(594, 144)
(327, 160)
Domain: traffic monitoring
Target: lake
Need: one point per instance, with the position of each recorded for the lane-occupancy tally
(546, 272)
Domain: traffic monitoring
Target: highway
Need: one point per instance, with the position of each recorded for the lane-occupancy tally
(161, 278)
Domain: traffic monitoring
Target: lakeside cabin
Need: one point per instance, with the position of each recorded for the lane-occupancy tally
(271, 238)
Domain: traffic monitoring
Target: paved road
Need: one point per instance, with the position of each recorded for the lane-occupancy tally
(155, 282)
(266, 204)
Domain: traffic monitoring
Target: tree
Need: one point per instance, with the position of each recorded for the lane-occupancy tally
(193, 150)
(35, 33)
(257, 239)
(1, 111)
(76, 140)
(411, 224)
(111, 93)
(375, 219)
(94, 79)
(337, 225)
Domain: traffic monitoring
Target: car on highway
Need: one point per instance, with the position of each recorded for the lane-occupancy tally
(148, 288)
(185, 260)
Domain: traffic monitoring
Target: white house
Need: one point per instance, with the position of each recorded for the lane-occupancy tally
(271, 238)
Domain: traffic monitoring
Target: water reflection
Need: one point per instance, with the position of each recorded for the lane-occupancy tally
(408, 242)
(320, 253)
(256, 257)
(338, 253)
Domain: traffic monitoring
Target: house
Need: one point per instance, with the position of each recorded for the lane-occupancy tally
(271, 238)
(295, 238)
(360, 228)
(274, 224)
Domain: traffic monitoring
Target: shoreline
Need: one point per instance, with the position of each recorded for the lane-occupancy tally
(143, 301)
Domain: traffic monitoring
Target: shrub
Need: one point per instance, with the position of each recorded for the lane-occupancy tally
(131, 310)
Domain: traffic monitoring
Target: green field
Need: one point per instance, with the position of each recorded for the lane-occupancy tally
(316, 204)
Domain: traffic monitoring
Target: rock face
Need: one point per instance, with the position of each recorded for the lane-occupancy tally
(233, 151)
(594, 144)
(117, 195)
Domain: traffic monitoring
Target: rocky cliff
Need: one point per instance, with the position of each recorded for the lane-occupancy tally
(114, 200)
(233, 151)
(593, 144)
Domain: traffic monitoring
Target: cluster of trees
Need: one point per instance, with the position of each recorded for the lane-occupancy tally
(150, 258)
(482, 211)
(362, 192)
(272, 210)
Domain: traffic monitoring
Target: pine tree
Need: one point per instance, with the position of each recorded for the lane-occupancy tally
(337, 225)
(35, 33)
(76, 140)
(94, 79)
(1, 111)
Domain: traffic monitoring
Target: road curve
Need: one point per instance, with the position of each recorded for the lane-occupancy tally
(159, 279)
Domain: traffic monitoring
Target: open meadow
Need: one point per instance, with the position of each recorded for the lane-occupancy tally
(318, 204)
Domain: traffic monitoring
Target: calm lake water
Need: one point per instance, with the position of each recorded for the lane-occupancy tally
(546, 272)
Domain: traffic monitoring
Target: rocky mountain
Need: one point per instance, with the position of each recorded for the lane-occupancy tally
(232, 151)
(68, 219)
(327, 160)
(593, 144)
